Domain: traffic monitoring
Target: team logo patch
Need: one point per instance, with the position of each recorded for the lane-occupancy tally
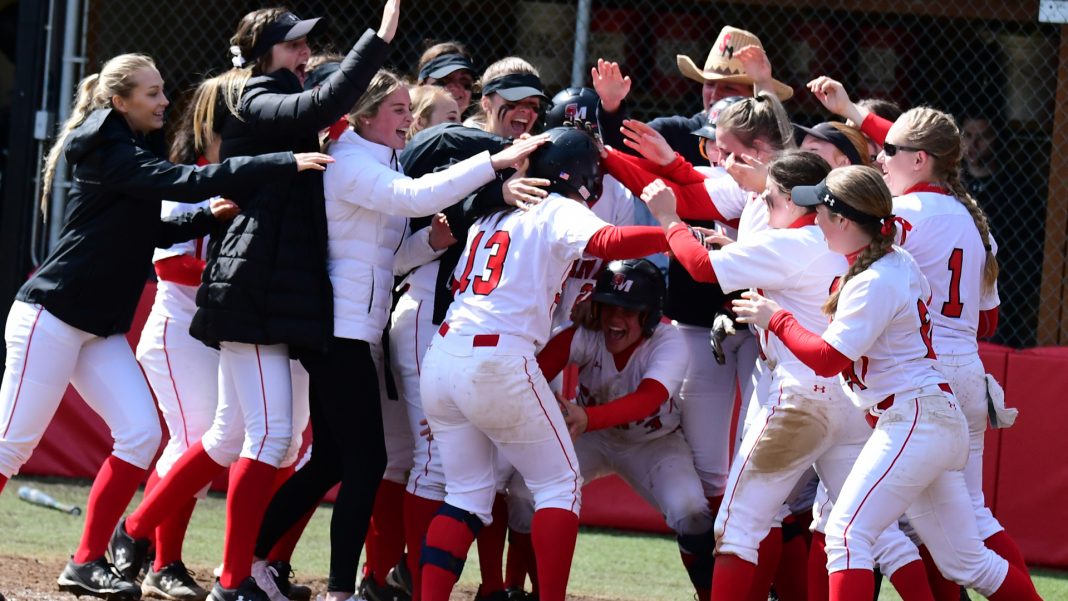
(573, 111)
(620, 282)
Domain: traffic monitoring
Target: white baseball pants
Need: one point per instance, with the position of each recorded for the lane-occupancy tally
(44, 354)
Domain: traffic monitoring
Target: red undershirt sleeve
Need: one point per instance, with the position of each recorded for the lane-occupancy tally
(988, 323)
(693, 256)
(691, 195)
(876, 128)
(553, 357)
(614, 242)
(627, 408)
(810, 348)
(180, 269)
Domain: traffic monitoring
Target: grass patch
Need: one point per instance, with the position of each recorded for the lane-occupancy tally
(608, 564)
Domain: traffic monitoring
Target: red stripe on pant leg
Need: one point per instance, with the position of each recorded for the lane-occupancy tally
(25, 364)
(174, 384)
(734, 490)
(574, 472)
(845, 532)
(426, 464)
(263, 395)
(418, 359)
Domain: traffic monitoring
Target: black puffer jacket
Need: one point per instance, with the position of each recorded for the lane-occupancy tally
(266, 280)
(94, 276)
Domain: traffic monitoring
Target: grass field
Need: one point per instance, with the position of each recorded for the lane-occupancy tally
(608, 564)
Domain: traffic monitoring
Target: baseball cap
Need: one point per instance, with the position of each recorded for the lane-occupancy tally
(829, 133)
(810, 196)
(441, 66)
(286, 28)
(515, 87)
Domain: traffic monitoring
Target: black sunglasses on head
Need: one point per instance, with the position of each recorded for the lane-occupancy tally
(892, 149)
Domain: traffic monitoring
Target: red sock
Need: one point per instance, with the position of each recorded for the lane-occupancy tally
(114, 486)
(193, 471)
(853, 585)
(688, 560)
(385, 536)
(1016, 587)
(554, 532)
(767, 564)
(453, 537)
(246, 502)
(817, 568)
(418, 513)
(732, 577)
(1002, 544)
(714, 503)
(153, 480)
(791, 577)
(942, 588)
(170, 535)
(3, 481)
(491, 548)
(520, 554)
(283, 549)
(910, 581)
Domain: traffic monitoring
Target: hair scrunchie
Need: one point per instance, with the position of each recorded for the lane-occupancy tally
(237, 60)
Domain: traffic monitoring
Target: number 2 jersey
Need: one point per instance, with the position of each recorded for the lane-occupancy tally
(939, 232)
(508, 279)
(882, 324)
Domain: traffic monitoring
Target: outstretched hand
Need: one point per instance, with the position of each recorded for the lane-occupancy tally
(440, 233)
(610, 84)
(517, 151)
(647, 141)
(833, 96)
(755, 309)
(661, 202)
(749, 171)
(524, 192)
(757, 66)
(390, 16)
(312, 160)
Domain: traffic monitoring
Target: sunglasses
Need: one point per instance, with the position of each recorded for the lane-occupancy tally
(892, 149)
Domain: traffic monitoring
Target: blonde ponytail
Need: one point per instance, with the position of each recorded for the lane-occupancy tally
(94, 92)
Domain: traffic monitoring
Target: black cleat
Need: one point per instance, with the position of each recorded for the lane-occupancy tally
(97, 579)
(246, 591)
(127, 553)
(283, 572)
(372, 591)
(400, 578)
(174, 582)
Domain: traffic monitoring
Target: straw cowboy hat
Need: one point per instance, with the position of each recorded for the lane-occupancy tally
(721, 66)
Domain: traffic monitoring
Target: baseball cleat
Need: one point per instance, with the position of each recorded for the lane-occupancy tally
(127, 553)
(400, 578)
(97, 579)
(246, 591)
(266, 578)
(283, 572)
(174, 582)
(372, 591)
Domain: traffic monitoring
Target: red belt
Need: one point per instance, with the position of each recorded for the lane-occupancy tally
(889, 401)
(479, 339)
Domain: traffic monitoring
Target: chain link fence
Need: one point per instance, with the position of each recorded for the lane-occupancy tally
(991, 63)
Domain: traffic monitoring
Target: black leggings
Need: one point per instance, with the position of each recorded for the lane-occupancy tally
(348, 447)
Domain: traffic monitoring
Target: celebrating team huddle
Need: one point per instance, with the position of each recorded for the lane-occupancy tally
(477, 318)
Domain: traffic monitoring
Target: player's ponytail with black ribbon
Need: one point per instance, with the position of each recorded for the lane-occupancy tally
(863, 189)
(937, 133)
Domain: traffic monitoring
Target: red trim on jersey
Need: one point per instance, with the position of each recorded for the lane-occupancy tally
(845, 533)
(852, 258)
(563, 449)
(691, 254)
(628, 408)
(876, 128)
(688, 184)
(180, 269)
(174, 383)
(621, 358)
(25, 362)
(553, 357)
(614, 242)
(988, 323)
(927, 187)
(334, 131)
(263, 395)
(810, 348)
(202, 160)
(803, 221)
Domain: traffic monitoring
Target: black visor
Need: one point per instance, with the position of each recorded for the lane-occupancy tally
(829, 133)
(442, 66)
(285, 28)
(514, 87)
(810, 196)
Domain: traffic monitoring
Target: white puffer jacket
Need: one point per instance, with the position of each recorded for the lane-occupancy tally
(368, 203)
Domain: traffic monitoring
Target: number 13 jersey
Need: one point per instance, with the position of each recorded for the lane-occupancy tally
(508, 279)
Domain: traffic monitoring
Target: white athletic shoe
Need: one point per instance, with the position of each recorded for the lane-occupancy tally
(265, 575)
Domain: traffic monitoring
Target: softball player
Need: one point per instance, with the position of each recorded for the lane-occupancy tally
(947, 233)
(481, 387)
(67, 322)
(880, 343)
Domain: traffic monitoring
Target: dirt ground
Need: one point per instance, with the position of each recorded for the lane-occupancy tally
(29, 579)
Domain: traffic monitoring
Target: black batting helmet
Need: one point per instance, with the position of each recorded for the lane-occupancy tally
(634, 284)
(571, 161)
(572, 105)
(708, 131)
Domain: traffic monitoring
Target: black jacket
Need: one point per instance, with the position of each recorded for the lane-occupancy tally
(266, 280)
(677, 130)
(94, 276)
